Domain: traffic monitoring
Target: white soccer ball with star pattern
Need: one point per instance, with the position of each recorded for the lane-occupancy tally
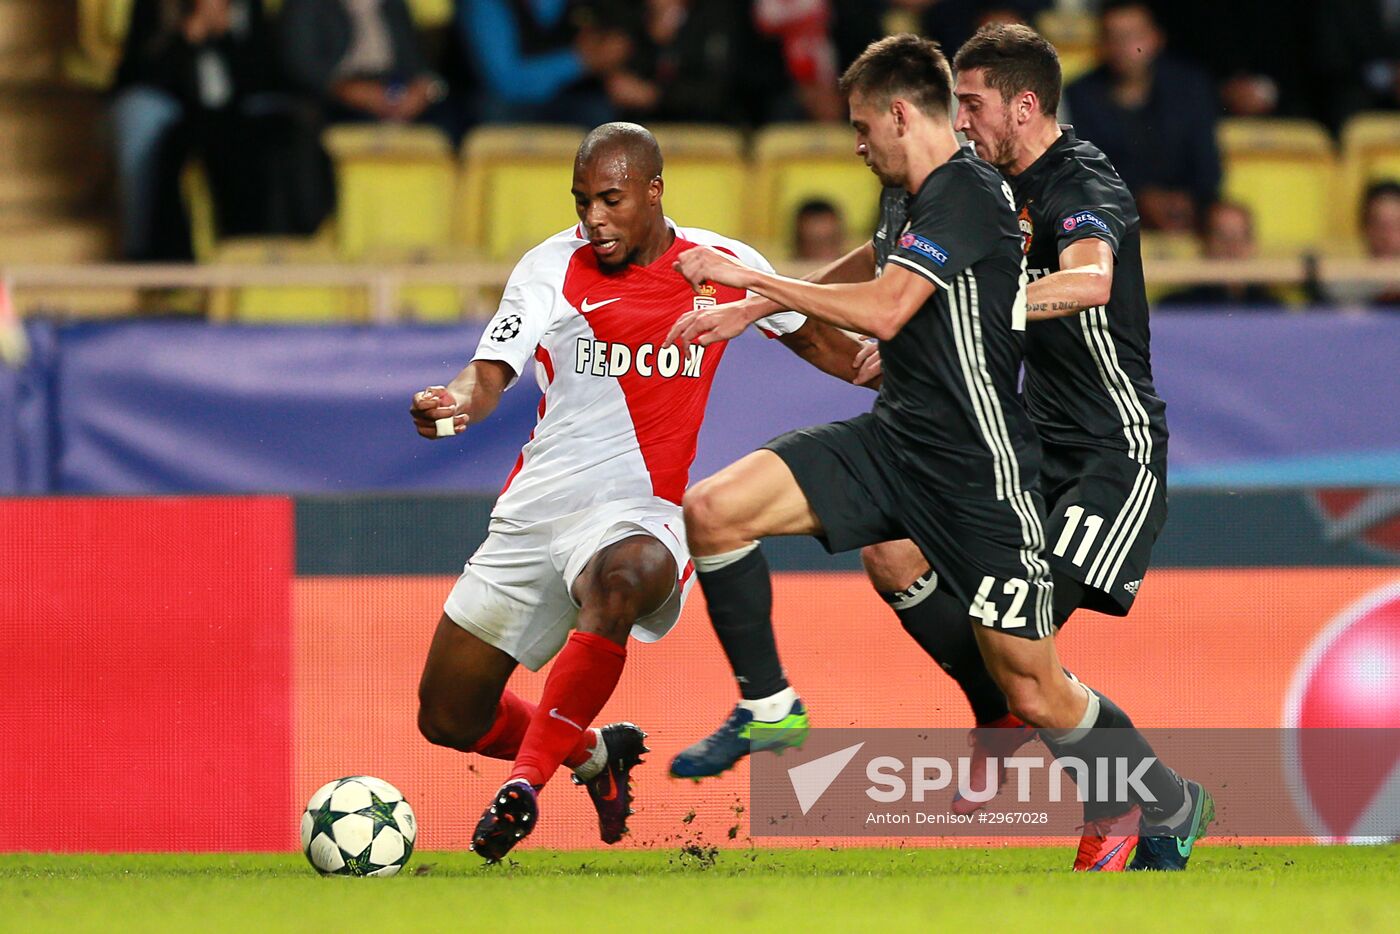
(358, 826)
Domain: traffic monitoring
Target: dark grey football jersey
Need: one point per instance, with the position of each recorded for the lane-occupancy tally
(1089, 376)
(949, 406)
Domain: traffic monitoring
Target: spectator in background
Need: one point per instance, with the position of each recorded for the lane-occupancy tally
(1228, 236)
(360, 58)
(1152, 116)
(803, 28)
(855, 24)
(1274, 73)
(693, 61)
(1358, 49)
(1380, 228)
(952, 22)
(541, 60)
(197, 79)
(1380, 218)
(818, 231)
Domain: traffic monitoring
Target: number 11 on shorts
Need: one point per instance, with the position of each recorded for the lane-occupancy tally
(1092, 524)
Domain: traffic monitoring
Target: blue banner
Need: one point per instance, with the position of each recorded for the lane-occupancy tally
(157, 406)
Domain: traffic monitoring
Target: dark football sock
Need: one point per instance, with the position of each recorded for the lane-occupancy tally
(740, 599)
(1113, 736)
(940, 625)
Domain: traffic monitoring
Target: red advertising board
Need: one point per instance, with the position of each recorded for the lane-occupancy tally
(145, 653)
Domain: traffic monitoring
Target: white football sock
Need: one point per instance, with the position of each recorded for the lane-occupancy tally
(594, 766)
(773, 708)
(706, 563)
(1086, 722)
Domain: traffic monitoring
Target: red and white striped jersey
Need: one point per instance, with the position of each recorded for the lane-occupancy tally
(620, 414)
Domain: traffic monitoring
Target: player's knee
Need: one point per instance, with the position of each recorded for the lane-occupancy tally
(614, 602)
(716, 515)
(705, 512)
(443, 727)
(893, 566)
(1027, 699)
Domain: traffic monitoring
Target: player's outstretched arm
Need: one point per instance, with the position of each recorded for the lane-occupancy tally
(856, 266)
(832, 351)
(878, 307)
(722, 322)
(1084, 280)
(472, 396)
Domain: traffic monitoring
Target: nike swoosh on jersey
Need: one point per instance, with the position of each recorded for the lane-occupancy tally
(585, 307)
(554, 712)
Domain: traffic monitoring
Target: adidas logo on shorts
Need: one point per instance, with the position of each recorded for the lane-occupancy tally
(1132, 586)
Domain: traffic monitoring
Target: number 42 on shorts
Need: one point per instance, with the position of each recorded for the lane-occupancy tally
(984, 605)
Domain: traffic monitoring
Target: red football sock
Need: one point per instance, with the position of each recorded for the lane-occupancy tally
(502, 741)
(513, 715)
(580, 683)
(583, 749)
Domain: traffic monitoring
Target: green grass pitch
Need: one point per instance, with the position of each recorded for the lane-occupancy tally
(1228, 888)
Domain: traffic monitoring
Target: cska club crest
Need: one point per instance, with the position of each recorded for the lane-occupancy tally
(1027, 229)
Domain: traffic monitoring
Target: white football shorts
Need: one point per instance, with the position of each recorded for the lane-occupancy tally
(516, 591)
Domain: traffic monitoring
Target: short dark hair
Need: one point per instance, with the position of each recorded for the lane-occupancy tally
(904, 65)
(1014, 58)
(1227, 204)
(1376, 191)
(1114, 6)
(813, 206)
(634, 142)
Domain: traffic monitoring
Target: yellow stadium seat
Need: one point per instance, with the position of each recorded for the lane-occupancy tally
(1076, 61)
(283, 304)
(706, 177)
(1284, 171)
(428, 301)
(1068, 26)
(1370, 153)
(1075, 36)
(515, 189)
(115, 18)
(199, 209)
(1159, 245)
(797, 162)
(101, 30)
(395, 187)
(431, 14)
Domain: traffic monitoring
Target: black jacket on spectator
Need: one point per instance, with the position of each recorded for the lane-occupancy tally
(258, 148)
(1356, 46)
(156, 53)
(1168, 143)
(316, 34)
(715, 70)
(1274, 38)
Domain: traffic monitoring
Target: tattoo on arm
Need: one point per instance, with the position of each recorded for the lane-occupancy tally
(1051, 306)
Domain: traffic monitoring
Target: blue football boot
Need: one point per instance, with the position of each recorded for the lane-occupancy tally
(740, 735)
(1167, 849)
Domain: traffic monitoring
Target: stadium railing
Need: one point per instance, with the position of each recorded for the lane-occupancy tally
(382, 286)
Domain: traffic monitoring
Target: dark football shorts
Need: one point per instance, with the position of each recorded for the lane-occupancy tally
(987, 553)
(1105, 512)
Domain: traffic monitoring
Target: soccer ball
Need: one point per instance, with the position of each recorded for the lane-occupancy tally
(358, 826)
